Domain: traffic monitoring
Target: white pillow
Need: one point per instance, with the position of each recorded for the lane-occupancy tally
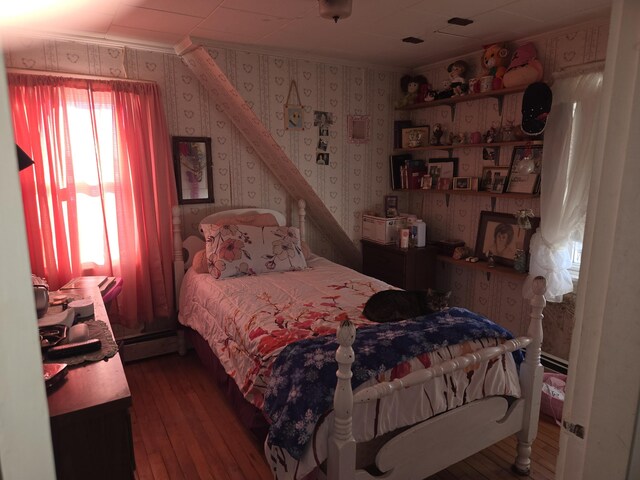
(237, 250)
(259, 214)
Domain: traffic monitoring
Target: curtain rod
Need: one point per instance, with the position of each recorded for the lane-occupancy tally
(571, 70)
(75, 75)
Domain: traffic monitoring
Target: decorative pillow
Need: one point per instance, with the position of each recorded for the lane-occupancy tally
(236, 250)
(190, 246)
(200, 262)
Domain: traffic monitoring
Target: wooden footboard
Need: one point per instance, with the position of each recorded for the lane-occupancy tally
(414, 454)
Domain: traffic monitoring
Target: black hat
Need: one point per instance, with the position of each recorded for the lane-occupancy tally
(536, 104)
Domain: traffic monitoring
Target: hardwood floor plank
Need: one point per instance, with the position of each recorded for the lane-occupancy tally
(185, 428)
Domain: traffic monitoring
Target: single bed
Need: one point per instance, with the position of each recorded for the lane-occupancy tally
(429, 391)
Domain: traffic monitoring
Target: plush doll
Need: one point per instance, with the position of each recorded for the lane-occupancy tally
(494, 61)
(457, 71)
(525, 68)
(410, 87)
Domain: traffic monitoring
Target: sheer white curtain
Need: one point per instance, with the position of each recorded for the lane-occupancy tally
(567, 162)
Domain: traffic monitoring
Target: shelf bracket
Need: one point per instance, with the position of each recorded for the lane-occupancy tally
(493, 203)
(453, 112)
(447, 196)
(488, 275)
(500, 99)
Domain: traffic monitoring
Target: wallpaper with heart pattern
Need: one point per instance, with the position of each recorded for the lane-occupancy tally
(357, 177)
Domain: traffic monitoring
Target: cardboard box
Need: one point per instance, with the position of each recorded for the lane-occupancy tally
(380, 229)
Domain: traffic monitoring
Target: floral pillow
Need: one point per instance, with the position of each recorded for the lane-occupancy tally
(236, 250)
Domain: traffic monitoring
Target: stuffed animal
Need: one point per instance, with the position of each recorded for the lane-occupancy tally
(525, 68)
(410, 87)
(457, 71)
(494, 61)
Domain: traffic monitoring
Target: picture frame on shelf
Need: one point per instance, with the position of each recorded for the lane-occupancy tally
(439, 168)
(500, 237)
(526, 163)
(493, 179)
(193, 169)
(462, 183)
(415, 137)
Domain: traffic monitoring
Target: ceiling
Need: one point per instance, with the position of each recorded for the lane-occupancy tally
(372, 34)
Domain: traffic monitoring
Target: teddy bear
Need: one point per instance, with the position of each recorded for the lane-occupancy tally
(525, 68)
(493, 62)
(410, 87)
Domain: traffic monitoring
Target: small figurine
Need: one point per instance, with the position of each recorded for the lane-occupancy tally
(456, 138)
(490, 136)
(457, 71)
(507, 132)
(437, 134)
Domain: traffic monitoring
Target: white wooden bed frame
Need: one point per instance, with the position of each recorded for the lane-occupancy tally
(434, 444)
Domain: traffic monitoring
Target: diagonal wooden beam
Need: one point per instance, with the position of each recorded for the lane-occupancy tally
(255, 133)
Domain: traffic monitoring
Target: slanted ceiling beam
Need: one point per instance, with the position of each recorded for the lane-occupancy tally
(255, 133)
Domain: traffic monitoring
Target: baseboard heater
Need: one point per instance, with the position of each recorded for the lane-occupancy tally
(553, 363)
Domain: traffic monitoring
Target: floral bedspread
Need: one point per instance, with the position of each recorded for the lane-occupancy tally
(248, 322)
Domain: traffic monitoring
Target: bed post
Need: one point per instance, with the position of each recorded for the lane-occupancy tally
(531, 372)
(302, 212)
(178, 268)
(342, 446)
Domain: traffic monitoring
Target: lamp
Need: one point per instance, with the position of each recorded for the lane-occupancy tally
(334, 9)
(24, 160)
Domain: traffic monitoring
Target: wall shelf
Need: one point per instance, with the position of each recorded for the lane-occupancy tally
(518, 143)
(475, 193)
(483, 266)
(452, 101)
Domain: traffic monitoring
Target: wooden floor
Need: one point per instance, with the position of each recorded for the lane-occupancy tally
(184, 428)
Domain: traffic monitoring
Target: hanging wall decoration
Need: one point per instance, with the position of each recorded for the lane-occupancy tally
(293, 113)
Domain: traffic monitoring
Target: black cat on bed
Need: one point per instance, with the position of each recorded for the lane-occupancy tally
(392, 305)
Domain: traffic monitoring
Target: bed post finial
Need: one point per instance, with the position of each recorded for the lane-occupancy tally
(302, 213)
(341, 442)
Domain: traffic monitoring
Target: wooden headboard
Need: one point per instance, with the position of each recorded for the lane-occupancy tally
(178, 259)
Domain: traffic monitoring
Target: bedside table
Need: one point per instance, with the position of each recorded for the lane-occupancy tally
(407, 268)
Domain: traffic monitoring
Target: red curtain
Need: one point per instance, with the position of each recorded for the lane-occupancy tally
(98, 199)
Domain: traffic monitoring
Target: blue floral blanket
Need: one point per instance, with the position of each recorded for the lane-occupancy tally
(304, 374)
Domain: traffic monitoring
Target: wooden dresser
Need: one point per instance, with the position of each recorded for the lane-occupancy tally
(90, 422)
(407, 268)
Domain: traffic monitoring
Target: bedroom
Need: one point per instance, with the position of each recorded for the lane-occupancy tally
(239, 183)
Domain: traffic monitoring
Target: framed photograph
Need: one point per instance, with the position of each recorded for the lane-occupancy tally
(322, 158)
(525, 169)
(462, 183)
(439, 168)
(358, 128)
(390, 206)
(193, 169)
(321, 118)
(499, 236)
(493, 179)
(415, 137)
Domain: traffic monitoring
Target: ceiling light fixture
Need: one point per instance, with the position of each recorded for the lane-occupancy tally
(334, 9)
(463, 22)
(412, 40)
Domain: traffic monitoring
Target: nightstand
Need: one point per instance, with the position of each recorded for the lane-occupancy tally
(407, 268)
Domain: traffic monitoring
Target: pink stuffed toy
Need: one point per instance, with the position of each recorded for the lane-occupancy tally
(525, 68)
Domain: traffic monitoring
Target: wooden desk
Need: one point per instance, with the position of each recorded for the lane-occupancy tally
(89, 412)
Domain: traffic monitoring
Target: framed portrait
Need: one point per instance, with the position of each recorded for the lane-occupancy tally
(358, 128)
(438, 168)
(462, 183)
(493, 179)
(390, 206)
(525, 170)
(193, 169)
(415, 137)
(499, 236)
